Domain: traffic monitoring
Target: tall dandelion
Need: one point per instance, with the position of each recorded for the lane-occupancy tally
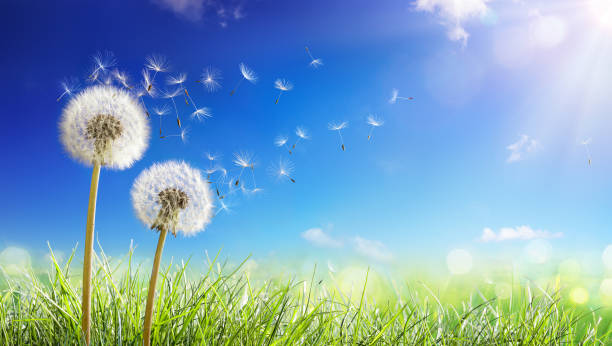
(169, 197)
(301, 134)
(314, 63)
(247, 74)
(211, 79)
(338, 127)
(283, 86)
(395, 96)
(101, 126)
(374, 122)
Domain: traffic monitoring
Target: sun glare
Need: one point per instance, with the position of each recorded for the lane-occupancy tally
(602, 12)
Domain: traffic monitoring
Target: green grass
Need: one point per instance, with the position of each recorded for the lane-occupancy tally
(225, 306)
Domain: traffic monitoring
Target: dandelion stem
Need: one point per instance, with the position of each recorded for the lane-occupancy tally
(146, 334)
(89, 240)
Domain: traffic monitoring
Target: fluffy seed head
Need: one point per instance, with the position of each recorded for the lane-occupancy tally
(283, 85)
(172, 195)
(374, 121)
(301, 132)
(337, 126)
(104, 124)
(211, 79)
(247, 73)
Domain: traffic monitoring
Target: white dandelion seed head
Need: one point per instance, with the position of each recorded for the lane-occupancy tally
(301, 132)
(316, 63)
(104, 124)
(243, 159)
(211, 79)
(177, 79)
(157, 63)
(394, 95)
(280, 141)
(247, 73)
(160, 177)
(374, 121)
(337, 126)
(201, 113)
(161, 110)
(283, 85)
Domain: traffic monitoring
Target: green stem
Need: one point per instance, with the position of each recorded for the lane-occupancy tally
(146, 334)
(89, 240)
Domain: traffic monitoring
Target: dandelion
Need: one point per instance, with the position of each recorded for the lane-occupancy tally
(183, 135)
(243, 160)
(102, 61)
(586, 143)
(161, 111)
(395, 96)
(301, 133)
(171, 95)
(101, 126)
(281, 141)
(314, 63)
(247, 74)
(69, 86)
(338, 127)
(211, 79)
(282, 170)
(169, 196)
(282, 85)
(374, 122)
(156, 63)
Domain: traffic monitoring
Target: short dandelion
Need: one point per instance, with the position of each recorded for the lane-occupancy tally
(301, 134)
(247, 74)
(211, 79)
(283, 86)
(68, 86)
(101, 126)
(155, 63)
(169, 197)
(395, 96)
(282, 170)
(338, 127)
(586, 143)
(374, 122)
(314, 63)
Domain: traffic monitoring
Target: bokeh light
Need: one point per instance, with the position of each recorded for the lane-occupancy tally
(579, 295)
(459, 261)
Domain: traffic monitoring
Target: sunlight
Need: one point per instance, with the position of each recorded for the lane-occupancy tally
(601, 10)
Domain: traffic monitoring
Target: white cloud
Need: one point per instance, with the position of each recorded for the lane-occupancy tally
(522, 147)
(317, 237)
(196, 10)
(372, 248)
(517, 233)
(190, 9)
(453, 13)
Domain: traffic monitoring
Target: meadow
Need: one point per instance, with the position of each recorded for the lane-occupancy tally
(220, 303)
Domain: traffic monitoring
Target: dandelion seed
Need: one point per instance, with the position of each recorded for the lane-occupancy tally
(183, 135)
(155, 63)
(281, 141)
(211, 79)
(314, 63)
(170, 196)
(198, 113)
(395, 96)
(69, 86)
(147, 83)
(282, 170)
(586, 143)
(374, 122)
(201, 113)
(301, 133)
(283, 86)
(122, 79)
(161, 111)
(101, 126)
(171, 95)
(338, 127)
(102, 61)
(247, 74)
(243, 160)
(223, 207)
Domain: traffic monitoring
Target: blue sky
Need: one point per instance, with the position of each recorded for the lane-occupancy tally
(484, 75)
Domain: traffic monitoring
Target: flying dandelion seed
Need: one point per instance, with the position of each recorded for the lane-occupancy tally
(586, 143)
(101, 126)
(198, 113)
(140, 94)
(374, 122)
(247, 74)
(210, 79)
(281, 141)
(155, 63)
(395, 96)
(201, 114)
(102, 61)
(121, 78)
(338, 127)
(243, 160)
(171, 95)
(282, 170)
(301, 133)
(170, 197)
(161, 111)
(183, 135)
(314, 63)
(283, 86)
(68, 86)
(223, 207)
(147, 83)
(178, 80)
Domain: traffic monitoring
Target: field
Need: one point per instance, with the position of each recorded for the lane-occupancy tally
(225, 305)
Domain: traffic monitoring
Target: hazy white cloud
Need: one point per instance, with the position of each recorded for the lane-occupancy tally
(318, 237)
(372, 248)
(517, 233)
(190, 9)
(196, 10)
(522, 147)
(453, 14)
